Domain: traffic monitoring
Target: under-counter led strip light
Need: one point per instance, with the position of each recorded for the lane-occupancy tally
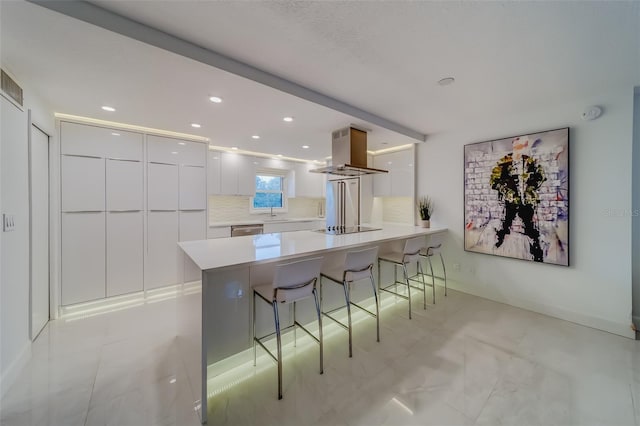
(123, 126)
(235, 375)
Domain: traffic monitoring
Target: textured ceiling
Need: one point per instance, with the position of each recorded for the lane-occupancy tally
(383, 57)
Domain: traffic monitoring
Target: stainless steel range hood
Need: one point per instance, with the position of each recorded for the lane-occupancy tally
(349, 154)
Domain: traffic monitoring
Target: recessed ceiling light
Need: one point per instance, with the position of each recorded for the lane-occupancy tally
(181, 143)
(288, 119)
(215, 99)
(115, 134)
(446, 81)
(108, 108)
(174, 152)
(235, 148)
(279, 155)
(255, 137)
(196, 125)
(256, 163)
(305, 146)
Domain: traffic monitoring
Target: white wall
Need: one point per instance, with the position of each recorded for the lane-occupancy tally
(596, 289)
(14, 252)
(635, 214)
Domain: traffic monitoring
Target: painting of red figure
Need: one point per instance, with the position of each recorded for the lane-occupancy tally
(516, 197)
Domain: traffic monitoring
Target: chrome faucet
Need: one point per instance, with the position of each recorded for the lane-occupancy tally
(272, 213)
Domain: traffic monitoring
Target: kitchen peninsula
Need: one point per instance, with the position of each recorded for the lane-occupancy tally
(215, 324)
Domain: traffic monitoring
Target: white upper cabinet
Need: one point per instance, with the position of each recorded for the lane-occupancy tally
(83, 184)
(213, 172)
(176, 151)
(124, 185)
(93, 141)
(237, 174)
(307, 184)
(382, 181)
(399, 182)
(193, 190)
(162, 187)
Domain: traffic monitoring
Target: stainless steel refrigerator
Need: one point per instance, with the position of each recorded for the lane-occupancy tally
(343, 203)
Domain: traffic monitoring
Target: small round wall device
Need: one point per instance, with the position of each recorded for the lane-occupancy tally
(591, 113)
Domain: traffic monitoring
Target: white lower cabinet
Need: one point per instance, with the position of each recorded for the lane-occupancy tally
(83, 257)
(163, 266)
(219, 232)
(125, 252)
(192, 227)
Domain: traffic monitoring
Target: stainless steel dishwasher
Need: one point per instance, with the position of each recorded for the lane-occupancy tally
(240, 230)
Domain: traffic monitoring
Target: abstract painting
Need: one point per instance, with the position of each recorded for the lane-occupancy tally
(516, 197)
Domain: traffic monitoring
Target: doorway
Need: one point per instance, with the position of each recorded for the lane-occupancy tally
(38, 229)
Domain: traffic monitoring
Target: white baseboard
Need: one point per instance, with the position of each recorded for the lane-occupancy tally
(621, 329)
(11, 374)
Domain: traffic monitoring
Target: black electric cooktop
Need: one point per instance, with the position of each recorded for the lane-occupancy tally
(341, 230)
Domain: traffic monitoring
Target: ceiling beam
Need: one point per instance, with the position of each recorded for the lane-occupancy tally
(111, 21)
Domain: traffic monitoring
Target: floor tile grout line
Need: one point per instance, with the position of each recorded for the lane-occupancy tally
(633, 405)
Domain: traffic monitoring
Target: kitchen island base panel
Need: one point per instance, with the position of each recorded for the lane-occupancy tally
(224, 312)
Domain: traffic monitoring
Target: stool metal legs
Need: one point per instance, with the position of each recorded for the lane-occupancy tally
(347, 290)
(316, 299)
(279, 343)
(375, 296)
(444, 270)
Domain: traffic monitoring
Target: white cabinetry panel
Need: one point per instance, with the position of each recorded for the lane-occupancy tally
(219, 232)
(162, 184)
(237, 174)
(82, 139)
(125, 250)
(124, 185)
(399, 182)
(83, 257)
(193, 154)
(83, 184)
(213, 172)
(192, 227)
(164, 260)
(382, 181)
(193, 191)
(175, 151)
(308, 184)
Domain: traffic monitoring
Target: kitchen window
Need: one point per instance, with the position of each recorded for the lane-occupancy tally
(270, 195)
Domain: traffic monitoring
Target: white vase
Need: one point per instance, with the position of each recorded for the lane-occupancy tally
(425, 223)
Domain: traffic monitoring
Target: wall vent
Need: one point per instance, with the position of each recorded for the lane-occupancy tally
(11, 88)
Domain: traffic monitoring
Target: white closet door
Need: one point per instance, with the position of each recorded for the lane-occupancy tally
(162, 185)
(192, 227)
(83, 257)
(125, 250)
(124, 185)
(193, 188)
(164, 260)
(83, 184)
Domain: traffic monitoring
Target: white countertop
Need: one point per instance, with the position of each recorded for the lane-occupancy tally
(222, 252)
(262, 221)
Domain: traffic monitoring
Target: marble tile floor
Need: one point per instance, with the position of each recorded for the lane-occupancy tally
(463, 361)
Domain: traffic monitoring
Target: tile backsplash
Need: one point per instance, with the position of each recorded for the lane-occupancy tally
(229, 208)
(398, 210)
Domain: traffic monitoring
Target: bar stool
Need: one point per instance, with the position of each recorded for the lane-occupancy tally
(358, 265)
(291, 282)
(410, 254)
(434, 246)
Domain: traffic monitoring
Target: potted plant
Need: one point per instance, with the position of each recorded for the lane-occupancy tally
(425, 208)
